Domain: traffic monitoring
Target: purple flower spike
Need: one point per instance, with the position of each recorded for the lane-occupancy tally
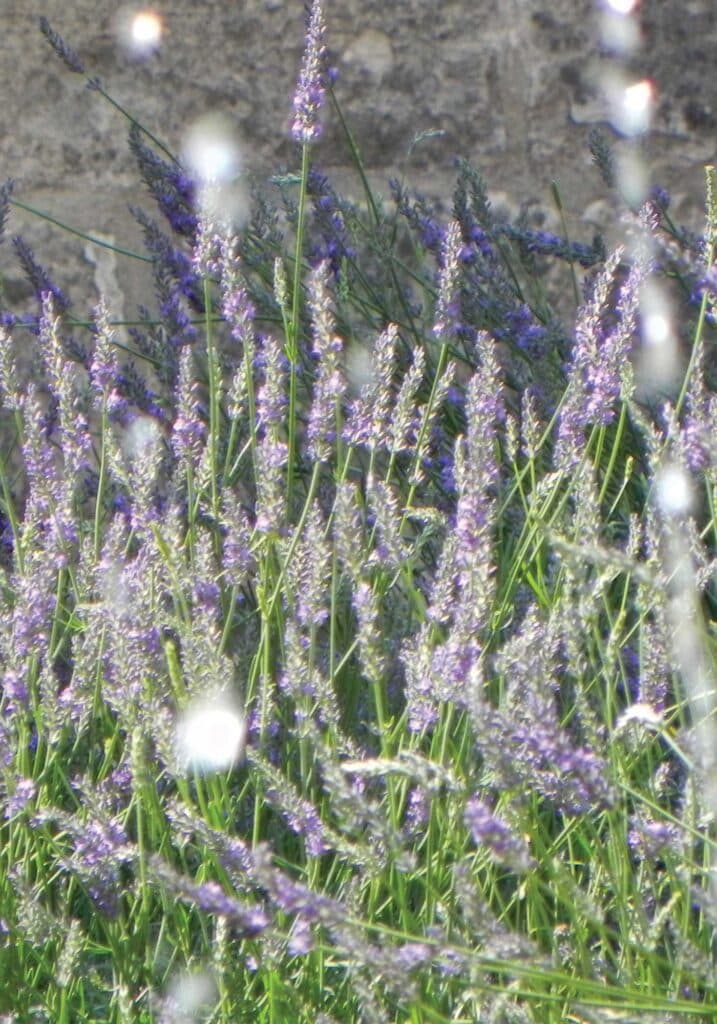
(66, 54)
(309, 96)
(492, 832)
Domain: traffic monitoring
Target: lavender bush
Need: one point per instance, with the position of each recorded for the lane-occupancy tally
(354, 626)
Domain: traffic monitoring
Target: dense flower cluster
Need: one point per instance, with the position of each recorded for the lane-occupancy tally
(343, 635)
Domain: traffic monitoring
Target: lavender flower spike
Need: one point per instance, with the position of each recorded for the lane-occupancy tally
(309, 96)
(66, 54)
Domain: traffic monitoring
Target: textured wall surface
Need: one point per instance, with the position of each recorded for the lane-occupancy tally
(512, 84)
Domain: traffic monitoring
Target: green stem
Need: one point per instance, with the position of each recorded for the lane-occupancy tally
(80, 234)
(292, 341)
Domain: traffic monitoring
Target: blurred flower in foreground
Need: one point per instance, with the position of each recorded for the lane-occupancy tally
(211, 736)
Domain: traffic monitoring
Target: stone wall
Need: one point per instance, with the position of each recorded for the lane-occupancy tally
(510, 84)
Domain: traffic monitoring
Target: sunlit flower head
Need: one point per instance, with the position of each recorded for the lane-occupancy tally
(211, 736)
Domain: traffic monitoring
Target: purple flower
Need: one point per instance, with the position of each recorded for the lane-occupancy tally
(13, 688)
(447, 306)
(656, 668)
(422, 219)
(237, 557)
(329, 386)
(100, 849)
(418, 811)
(302, 818)
(67, 55)
(237, 307)
(602, 346)
(333, 244)
(172, 189)
(104, 368)
(369, 420)
(412, 955)
(301, 940)
(649, 839)
(24, 791)
(172, 264)
(35, 603)
(38, 276)
(211, 898)
(309, 96)
(189, 430)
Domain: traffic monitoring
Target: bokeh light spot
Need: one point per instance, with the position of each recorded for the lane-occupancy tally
(189, 997)
(619, 33)
(139, 31)
(636, 107)
(211, 150)
(359, 369)
(146, 29)
(659, 355)
(211, 737)
(622, 6)
(673, 490)
(633, 177)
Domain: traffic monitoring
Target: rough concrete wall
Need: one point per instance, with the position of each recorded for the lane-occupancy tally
(511, 83)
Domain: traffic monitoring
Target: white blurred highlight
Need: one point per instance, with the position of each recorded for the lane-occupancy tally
(622, 6)
(659, 356)
(141, 438)
(641, 713)
(359, 367)
(212, 152)
(633, 178)
(189, 996)
(115, 591)
(636, 107)
(673, 490)
(619, 33)
(139, 31)
(211, 149)
(630, 103)
(211, 736)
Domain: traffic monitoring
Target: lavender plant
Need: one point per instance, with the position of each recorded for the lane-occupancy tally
(354, 628)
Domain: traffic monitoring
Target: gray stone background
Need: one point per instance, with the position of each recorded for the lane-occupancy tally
(512, 84)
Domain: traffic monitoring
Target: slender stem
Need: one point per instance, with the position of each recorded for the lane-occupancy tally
(292, 341)
(80, 234)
